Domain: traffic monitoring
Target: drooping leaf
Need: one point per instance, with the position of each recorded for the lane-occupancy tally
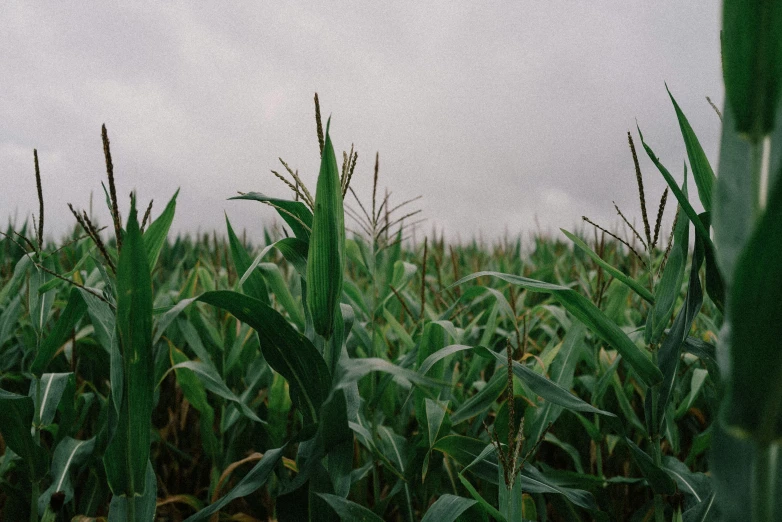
(447, 508)
(251, 482)
(286, 350)
(348, 510)
(544, 387)
(294, 213)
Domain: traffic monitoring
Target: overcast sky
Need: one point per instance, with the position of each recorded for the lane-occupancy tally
(495, 112)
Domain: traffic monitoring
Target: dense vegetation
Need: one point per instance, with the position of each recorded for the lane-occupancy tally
(359, 375)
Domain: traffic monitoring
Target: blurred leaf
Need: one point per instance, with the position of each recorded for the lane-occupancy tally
(562, 375)
(752, 63)
(194, 392)
(544, 387)
(755, 399)
(279, 288)
(214, 383)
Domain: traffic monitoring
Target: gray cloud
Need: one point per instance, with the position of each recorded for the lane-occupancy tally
(495, 112)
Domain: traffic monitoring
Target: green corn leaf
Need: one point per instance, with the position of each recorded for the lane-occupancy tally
(562, 375)
(668, 289)
(591, 316)
(534, 481)
(156, 233)
(658, 479)
(479, 455)
(353, 370)
(16, 419)
(326, 257)
(294, 213)
(701, 169)
(286, 350)
(681, 197)
(195, 393)
(139, 508)
(348, 510)
(68, 454)
(448, 508)
(128, 451)
(481, 401)
(488, 508)
(620, 276)
(251, 482)
(63, 328)
(752, 63)
(733, 198)
(543, 387)
(671, 348)
(17, 278)
(52, 386)
(280, 289)
(252, 284)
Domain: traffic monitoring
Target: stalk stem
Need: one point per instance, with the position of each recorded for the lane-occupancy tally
(762, 484)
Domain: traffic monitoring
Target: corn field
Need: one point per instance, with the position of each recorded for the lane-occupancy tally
(344, 370)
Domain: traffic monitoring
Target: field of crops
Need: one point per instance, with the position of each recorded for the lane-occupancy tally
(341, 370)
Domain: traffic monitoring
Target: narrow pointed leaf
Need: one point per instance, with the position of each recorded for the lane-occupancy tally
(156, 233)
(253, 284)
(701, 169)
(620, 276)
